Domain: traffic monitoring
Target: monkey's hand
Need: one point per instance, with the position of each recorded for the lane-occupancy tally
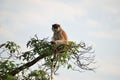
(53, 42)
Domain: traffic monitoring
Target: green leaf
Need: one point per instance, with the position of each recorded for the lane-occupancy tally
(69, 66)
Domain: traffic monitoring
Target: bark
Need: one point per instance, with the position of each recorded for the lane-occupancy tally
(27, 65)
(52, 71)
(53, 65)
(2, 45)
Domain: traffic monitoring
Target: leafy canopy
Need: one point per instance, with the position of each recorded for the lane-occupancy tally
(48, 58)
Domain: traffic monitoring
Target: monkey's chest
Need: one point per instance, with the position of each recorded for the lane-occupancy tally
(57, 36)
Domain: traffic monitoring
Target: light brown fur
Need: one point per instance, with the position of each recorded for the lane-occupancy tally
(59, 35)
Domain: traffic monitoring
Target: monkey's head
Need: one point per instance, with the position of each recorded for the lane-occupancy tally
(56, 28)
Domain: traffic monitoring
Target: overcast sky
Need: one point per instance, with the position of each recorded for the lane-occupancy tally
(97, 22)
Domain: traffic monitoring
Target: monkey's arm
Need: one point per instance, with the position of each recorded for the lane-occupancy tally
(63, 40)
(64, 36)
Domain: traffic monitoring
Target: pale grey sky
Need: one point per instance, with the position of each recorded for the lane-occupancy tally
(96, 22)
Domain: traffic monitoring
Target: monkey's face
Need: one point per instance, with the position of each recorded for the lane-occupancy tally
(56, 27)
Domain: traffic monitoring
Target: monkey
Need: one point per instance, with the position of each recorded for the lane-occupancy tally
(59, 35)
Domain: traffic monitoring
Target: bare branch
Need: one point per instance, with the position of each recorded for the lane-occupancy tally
(27, 65)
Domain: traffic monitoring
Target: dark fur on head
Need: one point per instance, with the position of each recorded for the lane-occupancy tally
(56, 27)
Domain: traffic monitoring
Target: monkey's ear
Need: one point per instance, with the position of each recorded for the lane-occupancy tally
(53, 25)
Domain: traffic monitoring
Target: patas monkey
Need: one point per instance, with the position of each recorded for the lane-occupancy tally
(59, 35)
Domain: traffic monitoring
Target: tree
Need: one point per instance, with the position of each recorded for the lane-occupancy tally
(48, 58)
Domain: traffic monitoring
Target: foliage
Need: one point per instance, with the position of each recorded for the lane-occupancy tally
(38, 75)
(49, 59)
(5, 67)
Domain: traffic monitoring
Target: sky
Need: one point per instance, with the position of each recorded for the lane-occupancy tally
(96, 22)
